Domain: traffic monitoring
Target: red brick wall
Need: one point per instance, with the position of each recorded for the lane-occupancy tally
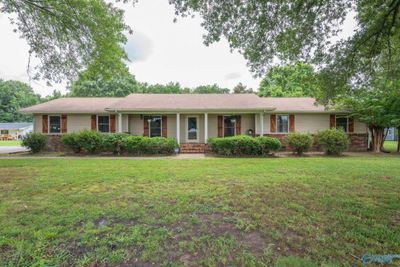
(193, 148)
(54, 143)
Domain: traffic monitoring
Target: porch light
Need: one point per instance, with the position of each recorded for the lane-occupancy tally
(149, 120)
(233, 120)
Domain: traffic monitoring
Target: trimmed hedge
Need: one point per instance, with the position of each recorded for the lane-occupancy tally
(332, 141)
(36, 142)
(244, 145)
(94, 142)
(300, 142)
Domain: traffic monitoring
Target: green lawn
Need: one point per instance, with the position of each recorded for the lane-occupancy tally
(390, 146)
(212, 212)
(10, 143)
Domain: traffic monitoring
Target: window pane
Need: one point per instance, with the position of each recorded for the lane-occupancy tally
(229, 126)
(192, 128)
(103, 124)
(155, 127)
(283, 121)
(341, 123)
(4, 131)
(54, 123)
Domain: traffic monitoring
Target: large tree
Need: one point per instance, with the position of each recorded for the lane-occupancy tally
(15, 95)
(70, 36)
(378, 106)
(294, 80)
(292, 30)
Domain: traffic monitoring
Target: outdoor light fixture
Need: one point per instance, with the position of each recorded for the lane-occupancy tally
(250, 132)
(233, 120)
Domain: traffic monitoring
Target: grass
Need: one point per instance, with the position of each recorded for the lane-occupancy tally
(10, 143)
(212, 212)
(390, 146)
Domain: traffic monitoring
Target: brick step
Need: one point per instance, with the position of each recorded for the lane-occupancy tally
(192, 148)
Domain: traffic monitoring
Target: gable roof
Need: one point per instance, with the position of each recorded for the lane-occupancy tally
(73, 105)
(181, 102)
(14, 125)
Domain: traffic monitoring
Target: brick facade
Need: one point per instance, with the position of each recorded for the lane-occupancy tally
(54, 144)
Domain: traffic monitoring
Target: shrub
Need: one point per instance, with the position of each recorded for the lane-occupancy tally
(268, 144)
(90, 141)
(243, 145)
(36, 142)
(114, 142)
(72, 142)
(139, 145)
(299, 142)
(332, 141)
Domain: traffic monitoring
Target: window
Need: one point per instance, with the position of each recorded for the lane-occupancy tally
(229, 126)
(4, 132)
(341, 123)
(282, 122)
(54, 124)
(192, 129)
(155, 126)
(103, 124)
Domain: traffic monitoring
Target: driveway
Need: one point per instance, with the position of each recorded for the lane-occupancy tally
(12, 149)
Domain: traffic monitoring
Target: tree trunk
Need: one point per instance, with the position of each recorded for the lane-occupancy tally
(377, 138)
(398, 139)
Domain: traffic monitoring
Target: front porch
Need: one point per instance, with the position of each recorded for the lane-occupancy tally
(191, 130)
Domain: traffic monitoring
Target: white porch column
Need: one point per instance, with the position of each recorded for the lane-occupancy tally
(261, 124)
(205, 127)
(119, 122)
(178, 128)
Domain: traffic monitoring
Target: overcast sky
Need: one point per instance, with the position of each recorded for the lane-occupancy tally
(161, 51)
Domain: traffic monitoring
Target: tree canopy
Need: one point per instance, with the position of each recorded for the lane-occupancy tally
(69, 37)
(294, 80)
(127, 84)
(15, 95)
(292, 30)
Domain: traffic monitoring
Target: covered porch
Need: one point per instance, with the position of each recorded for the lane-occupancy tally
(191, 129)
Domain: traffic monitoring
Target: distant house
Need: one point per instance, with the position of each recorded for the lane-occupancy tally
(15, 130)
(391, 134)
(193, 118)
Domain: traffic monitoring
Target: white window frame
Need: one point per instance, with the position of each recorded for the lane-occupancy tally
(97, 122)
(48, 124)
(276, 122)
(161, 125)
(347, 121)
(223, 125)
(187, 130)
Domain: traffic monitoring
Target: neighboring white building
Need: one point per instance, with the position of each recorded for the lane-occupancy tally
(15, 130)
(391, 134)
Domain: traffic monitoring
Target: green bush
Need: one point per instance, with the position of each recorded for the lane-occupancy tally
(332, 141)
(268, 144)
(114, 142)
(300, 142)
(90, 141)
(72, 142)
(139, 145)
(36, 142)
(243, 145)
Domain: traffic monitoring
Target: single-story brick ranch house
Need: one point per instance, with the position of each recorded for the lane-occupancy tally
(192, 118)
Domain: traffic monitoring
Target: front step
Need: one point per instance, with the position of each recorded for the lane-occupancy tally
(192, 148)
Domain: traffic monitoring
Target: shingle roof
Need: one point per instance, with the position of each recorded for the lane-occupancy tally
(300, 104)
(190, 102)
(177, 102)
(73, 105)
(14, 125)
